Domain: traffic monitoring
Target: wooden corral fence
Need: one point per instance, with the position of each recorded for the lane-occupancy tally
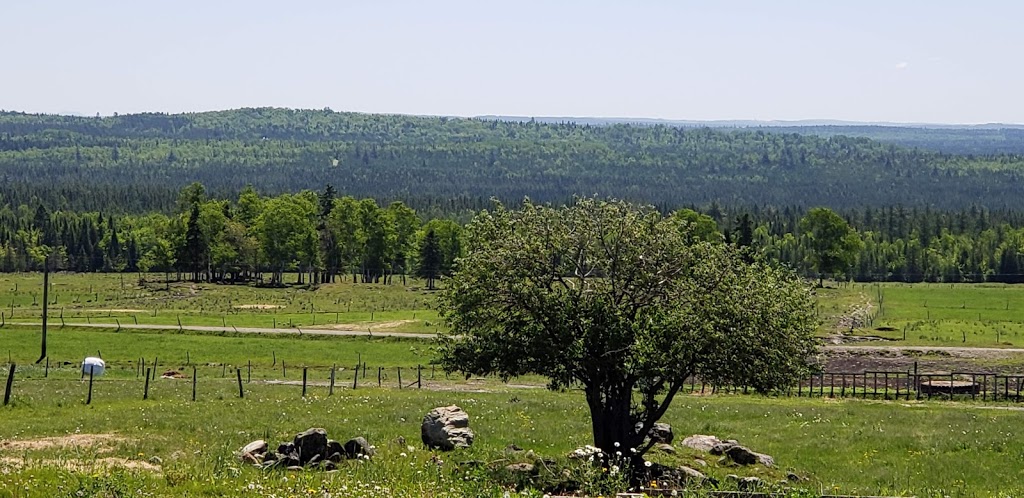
(882, 384)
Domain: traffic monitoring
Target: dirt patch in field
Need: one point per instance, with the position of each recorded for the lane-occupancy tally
(257, 306)
(101, 441)
(75, 464)
(931, 360)
(372, 325)
(114, 310)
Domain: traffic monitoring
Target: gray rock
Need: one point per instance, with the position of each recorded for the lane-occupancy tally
(287, 449)
(793, 477)
(721, 448)
(662, 433)
(701, 442)
(692, 474)
(446, 428)
(253, 452)
(357, 448)
(335, 451)
(155, 460)
(700, 462)
(741, 455)
(311, 445)
(665, 448)
(522, 468)
(750, 483)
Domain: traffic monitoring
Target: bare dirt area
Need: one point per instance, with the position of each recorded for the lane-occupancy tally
(76, 464)
(114, 310)
(98, 443)
(101, 442)
(928, 359)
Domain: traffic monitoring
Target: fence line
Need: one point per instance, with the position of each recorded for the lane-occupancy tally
(867, 384)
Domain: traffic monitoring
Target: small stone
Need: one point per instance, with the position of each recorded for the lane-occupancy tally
(793, 477)
(522, 468)
(750, 483)
(662, 433)
(357, 447)
(665, 448)
(297, 468)
(700, 462)
(512, 448)
(253, 452)
(155, 460)
(692, 474)
(741, 455)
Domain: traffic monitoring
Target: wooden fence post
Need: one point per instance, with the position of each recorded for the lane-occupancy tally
(193, 383)
(241, 394)
(330, 392)
(10, 383)
(88, 400)
(145, 389)
(304, 381)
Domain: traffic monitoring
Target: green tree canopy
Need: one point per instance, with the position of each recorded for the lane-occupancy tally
(834, 244)
(626, 303)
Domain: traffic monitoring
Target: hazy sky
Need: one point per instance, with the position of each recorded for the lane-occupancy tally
(903, 61)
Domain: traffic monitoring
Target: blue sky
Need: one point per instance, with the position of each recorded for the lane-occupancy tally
(899, 61)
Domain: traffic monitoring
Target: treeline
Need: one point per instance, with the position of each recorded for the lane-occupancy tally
(324, 236)
(321, 236)
(137, 163)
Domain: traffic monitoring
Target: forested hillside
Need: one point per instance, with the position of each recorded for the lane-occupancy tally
(138, 163)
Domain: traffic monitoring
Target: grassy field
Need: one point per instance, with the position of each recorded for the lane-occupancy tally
(129, 299)
(852, 446)
(849, 446)
(971, 315)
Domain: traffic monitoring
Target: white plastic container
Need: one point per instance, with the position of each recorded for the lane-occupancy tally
(93, 365)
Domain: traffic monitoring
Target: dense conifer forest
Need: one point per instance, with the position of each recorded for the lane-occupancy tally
(250, 194)
(137, 163)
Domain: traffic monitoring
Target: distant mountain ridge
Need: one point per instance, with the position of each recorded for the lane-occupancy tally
(748, 123)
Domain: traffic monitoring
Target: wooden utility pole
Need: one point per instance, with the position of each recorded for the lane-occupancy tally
(46, 302)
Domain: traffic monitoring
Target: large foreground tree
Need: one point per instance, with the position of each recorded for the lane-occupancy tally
(625, 303)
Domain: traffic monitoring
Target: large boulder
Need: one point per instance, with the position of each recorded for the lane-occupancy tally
(311, 445)
(446, 428)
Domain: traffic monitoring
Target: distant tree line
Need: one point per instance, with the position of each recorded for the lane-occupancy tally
(323, 236)
(134, 164)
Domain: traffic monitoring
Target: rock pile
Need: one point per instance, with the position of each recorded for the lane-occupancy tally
(729, 448)
(309, 448)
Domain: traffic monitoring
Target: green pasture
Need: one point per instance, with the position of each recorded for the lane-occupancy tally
(145, 299)
(839, 446)
(123, 350)
(969, 315)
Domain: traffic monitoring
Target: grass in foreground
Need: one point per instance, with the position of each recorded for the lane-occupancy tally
(839, 446)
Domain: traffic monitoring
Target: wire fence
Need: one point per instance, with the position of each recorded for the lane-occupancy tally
(868, 384)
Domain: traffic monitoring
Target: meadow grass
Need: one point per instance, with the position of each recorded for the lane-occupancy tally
(920, 314)
(125, 298)
(839, 446)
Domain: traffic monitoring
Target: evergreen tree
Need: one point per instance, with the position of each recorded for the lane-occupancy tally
(430, 259)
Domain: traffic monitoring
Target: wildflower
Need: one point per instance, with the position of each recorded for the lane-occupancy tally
(647, 463)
